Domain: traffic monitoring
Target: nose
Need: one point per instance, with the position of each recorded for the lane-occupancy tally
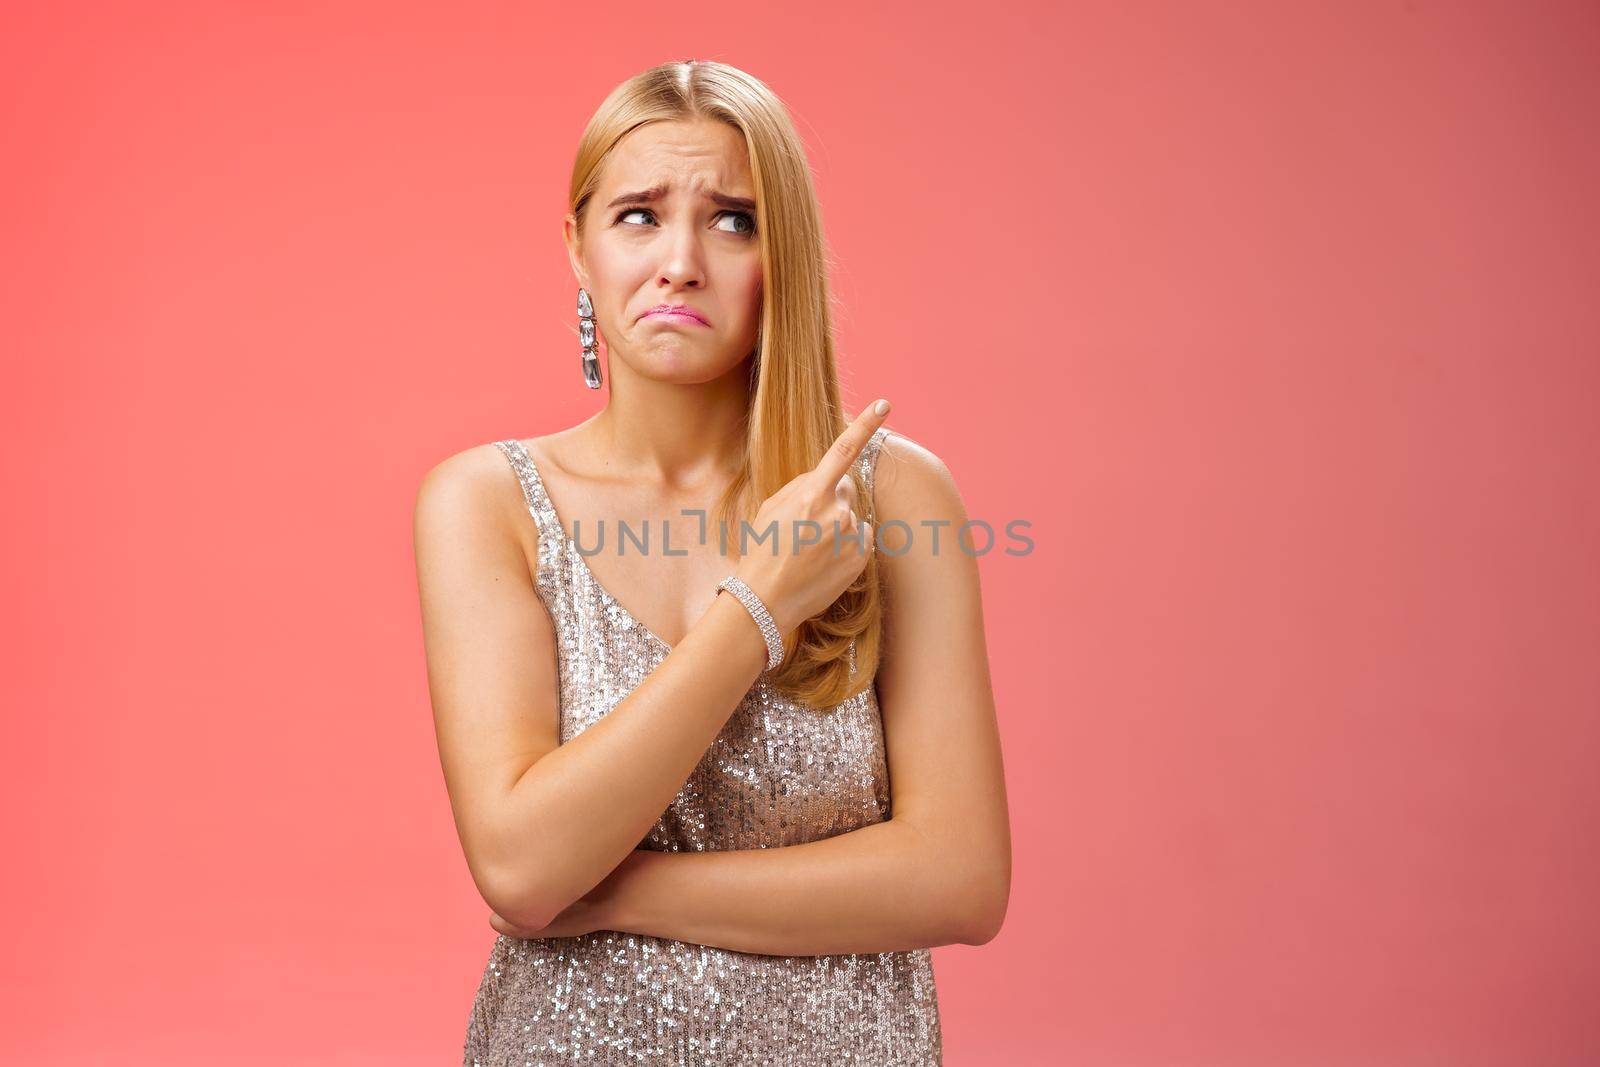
(683, 261)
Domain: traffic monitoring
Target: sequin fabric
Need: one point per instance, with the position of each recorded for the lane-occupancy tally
(778, 774)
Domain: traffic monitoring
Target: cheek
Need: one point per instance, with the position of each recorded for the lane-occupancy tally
(614, 276)
(753, 294)
(610, 268)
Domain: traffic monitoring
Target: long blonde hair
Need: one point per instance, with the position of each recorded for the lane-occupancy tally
(795, 409)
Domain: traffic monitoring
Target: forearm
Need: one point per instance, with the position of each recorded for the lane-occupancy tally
(583, 807)
(882, 888)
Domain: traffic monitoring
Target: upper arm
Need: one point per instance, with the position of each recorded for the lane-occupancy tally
(945, 767)
(490, 647)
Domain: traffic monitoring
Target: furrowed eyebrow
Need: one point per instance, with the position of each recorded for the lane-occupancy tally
(656, 192)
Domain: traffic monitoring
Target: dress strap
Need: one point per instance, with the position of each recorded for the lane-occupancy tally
(533, 491)
(868, 462)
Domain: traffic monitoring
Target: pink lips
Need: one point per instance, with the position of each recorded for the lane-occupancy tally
(677, 313)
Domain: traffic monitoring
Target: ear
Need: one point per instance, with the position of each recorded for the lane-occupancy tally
(569, 234)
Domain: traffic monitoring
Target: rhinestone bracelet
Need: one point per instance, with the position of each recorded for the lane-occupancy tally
(759, 612)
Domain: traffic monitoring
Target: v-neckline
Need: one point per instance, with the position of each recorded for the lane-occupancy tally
(572, 546)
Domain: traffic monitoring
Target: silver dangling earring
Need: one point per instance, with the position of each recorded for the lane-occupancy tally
(591, 362)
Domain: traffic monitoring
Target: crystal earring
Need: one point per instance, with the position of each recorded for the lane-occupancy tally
(591, 362)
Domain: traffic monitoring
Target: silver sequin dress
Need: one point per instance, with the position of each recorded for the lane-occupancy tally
(778, 774)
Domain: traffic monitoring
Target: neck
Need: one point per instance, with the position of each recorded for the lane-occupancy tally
(674, 433)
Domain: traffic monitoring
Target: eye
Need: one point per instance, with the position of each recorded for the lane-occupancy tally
(749, 220)
(750, 223)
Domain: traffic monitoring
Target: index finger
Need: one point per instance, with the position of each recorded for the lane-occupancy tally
(847, 448)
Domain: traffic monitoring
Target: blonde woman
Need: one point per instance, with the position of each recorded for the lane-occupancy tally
(721, 791)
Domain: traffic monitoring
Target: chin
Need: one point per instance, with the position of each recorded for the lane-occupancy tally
(682, 366)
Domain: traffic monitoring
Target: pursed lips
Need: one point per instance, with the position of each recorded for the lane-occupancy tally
(678, 311)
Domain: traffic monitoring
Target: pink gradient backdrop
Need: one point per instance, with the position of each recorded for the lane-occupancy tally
(1276, 320)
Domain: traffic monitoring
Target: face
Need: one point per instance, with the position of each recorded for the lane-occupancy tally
(672, 223)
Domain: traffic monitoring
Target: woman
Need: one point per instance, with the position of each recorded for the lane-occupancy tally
(677, 804)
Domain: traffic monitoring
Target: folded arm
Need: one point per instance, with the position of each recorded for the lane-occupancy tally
(518, 794)
(882, 888)
(938, 872)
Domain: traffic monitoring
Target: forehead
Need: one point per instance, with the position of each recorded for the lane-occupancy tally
(697, 154)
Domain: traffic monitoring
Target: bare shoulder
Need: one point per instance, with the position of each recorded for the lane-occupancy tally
(912, 484)
(470, 499)
(472, 477)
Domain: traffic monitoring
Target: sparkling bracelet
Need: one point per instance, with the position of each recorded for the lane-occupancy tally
(759, 612)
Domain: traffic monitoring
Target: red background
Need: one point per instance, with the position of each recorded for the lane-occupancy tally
(1276, 320)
